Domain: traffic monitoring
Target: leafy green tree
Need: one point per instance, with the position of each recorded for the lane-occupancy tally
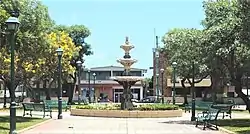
(183, 46)
(78, 33)
(228, 38)
(30, 41)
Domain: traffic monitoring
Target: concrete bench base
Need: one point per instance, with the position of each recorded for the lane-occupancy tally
(126, 114)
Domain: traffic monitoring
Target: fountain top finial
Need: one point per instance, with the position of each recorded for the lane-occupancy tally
(126, 41)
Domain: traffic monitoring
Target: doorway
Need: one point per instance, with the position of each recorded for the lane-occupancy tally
(117, 97)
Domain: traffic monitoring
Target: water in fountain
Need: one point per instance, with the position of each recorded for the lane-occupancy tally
(126, 80)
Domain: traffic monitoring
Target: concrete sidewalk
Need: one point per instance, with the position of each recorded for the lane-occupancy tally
(97, 125)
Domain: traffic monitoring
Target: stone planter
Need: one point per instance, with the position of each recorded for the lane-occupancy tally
(126, 114)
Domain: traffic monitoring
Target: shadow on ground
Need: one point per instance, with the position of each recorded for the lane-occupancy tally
(188, 122)
(240, 126)
(4, 120)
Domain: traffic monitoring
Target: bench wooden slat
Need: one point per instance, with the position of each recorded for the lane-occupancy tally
(198, 105)
(54, 104)
(225, 109)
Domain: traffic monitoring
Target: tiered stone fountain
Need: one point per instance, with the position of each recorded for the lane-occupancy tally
(126, 80)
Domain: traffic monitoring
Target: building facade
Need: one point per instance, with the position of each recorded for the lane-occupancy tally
(159, 62)
(103, 87)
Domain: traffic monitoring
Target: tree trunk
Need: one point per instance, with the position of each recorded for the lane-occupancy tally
(7, 82)
(71, 91)
(47, 90)
(70, 86)
(215, 78)
(185, 91)
(238, 90)
(50, 84)
(5, 97)
(205, 94)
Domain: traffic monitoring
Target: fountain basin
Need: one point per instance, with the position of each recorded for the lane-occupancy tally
(127, 62)
(141, 111)
(126, 114)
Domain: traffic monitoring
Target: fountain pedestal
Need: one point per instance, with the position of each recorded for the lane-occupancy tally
(127, 80)
(126, 99)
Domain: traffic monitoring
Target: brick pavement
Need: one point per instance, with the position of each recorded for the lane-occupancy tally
(96, 125)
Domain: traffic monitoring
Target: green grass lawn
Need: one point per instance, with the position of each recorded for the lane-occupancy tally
(239, 126)
(22, 122)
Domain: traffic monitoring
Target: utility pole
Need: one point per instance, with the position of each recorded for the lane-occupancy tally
(157, 67)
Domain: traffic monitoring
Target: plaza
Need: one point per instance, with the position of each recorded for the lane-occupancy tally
(86, 67)
(99, 125)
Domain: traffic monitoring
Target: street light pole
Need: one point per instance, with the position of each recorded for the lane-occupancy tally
(59, 54)
(157, 57)
(174, 80)
(162, 87)
(157, 87)
(94, 74)
(193, 94)
(79, 65)
(89, 86)
(12, 27)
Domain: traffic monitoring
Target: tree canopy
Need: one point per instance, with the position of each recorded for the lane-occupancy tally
(221, 49)
(37, 39)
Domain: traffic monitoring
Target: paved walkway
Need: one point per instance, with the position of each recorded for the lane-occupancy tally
(95, 125)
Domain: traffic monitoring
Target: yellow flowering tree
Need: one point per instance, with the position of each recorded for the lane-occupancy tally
(48, 63)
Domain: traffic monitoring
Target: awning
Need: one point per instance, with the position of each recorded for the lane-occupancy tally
(203, 83)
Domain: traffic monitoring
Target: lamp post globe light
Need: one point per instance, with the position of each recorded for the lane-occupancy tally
(174, 64)
(162, 87)
(94, 75)
(79, 65)
(59, 52)
(12, 26)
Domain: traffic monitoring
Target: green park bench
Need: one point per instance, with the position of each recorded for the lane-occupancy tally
(226, 109)
(38, 107)
(54, 104)
(208, 118)
(199, 105)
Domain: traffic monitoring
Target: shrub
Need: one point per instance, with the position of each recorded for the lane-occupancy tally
(100, 106)
(145, 107)
(153, 107)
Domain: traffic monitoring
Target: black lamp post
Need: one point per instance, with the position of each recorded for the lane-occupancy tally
(193, 94)
(174, 64)
(79, 65)
(157, 88)
(94, 75)
(59, 54)
(12, 26)
(89, 86)
(162, 87)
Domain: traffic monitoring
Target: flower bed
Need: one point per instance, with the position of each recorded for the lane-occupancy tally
(142, 111)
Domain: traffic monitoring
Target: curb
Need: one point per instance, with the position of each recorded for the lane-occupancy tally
(225, 130)
(33, 126)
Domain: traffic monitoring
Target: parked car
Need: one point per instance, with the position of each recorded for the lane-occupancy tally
(134, 100)
(149, 99)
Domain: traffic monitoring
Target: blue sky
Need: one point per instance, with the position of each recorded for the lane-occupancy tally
(110, 21)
